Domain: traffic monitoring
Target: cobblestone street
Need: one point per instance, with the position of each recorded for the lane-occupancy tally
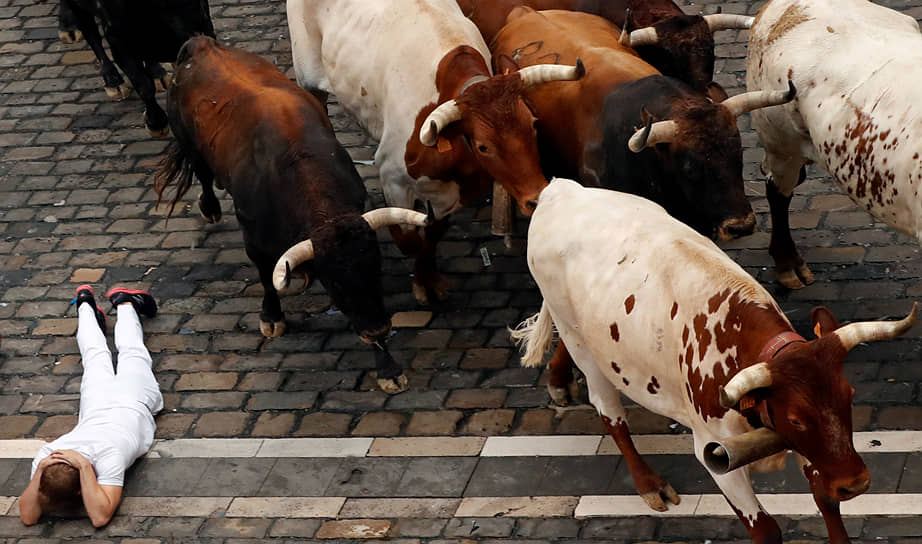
(77, 206)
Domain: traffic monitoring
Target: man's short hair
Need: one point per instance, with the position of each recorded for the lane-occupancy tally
(59, 486)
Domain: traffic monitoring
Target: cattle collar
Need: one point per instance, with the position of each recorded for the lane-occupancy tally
(778, 343)
(475, 79)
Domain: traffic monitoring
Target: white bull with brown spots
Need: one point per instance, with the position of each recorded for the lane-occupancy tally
(652, 309)
(857, 67)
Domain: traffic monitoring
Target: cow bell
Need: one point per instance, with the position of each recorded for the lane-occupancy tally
(722, 456)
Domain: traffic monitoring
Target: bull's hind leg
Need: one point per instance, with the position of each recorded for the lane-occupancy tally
(208, 203)
(562, 386)
(607, 400)
(158, 75)
(154, 117)
(115, 86)
(785, 174)
(427, 282)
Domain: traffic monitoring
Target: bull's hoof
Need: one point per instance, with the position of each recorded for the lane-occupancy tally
(392, 386)
(119, 93)
(437, 291)
(211, 212)
(654, 498)
(563, 396)
(70, 36)
(795, 279)
(272, 329)
(159, 132)
(162, 83)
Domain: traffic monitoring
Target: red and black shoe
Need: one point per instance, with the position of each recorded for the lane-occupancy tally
(85, 294)
(142, 301)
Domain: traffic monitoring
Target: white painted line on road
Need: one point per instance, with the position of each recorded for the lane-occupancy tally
(442, 446)
(794, 505)
(427, 446)
(285, 507)
(315, 447)
(174, 507)
(515, 446)
(517, 507)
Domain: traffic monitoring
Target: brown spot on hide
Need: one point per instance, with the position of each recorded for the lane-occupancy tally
(675, 310)
(790, 73)
(685, 336)
(629, 304)
(364, 92)
(702, 334)
(715, 301)
(626, 382)
(653, 385)
(615, 335)
(615, 367)
(830, 30)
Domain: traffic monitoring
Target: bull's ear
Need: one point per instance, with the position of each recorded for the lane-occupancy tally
(715, 92)
(823, 321)
(504, 64)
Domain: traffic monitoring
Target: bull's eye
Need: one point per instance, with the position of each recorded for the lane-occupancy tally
(796, 423)
(482, 148)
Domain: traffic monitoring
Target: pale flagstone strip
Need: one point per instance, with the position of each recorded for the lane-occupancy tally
(410, 319)
(315, 447)
(169, 507)
(205, 447)
(651, 444)
(20, 449)
(354, 528)
(592, 506)
(517, 507)
(511, 446)
(888, 441)
(6, 506)
(790, 505)
(285, 507)
(399, 508)
(890, 504)
(425, 446)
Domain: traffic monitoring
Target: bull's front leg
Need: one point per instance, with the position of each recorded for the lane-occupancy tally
(790, 268)
(67, 24)
(829, 507)
(737, 489)
(426, 279)
(271, 319)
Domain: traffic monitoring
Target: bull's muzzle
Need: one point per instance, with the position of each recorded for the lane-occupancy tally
(722, 456)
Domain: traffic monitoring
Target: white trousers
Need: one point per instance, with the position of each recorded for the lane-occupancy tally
(101, 387)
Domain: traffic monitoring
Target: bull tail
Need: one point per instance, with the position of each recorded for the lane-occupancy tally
(176, 166)
(534, 336)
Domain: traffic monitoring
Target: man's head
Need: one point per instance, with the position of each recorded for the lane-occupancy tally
(59, 487)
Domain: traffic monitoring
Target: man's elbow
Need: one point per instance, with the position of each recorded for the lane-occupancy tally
(100, 520)
(27, 520)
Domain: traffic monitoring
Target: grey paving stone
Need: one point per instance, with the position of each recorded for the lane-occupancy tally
(243, 476)
(436, 477)
(577, 475)
(505, 476)
(164, 477)
(368, 477)
(299, 477)
(683, 472)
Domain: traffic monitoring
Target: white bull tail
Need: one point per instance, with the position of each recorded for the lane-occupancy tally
(533, 336)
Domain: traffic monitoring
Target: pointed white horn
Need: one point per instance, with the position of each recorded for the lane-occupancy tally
(442, 116)
(291, 259)
(544, 73)
(869, 331)
(726, 21)
(659, 132)
(643, 36)
(754, 100)
(753, 377)
(384, 217)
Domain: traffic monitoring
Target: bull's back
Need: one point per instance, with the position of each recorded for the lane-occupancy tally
(849, 116)
(381, 57)
(627, 282)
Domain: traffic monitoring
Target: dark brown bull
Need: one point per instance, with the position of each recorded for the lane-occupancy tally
(243, 125)
(678, 45)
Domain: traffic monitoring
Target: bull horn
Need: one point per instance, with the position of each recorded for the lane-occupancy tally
(544, 73)
(869, 331)
(726, 21)
(660, 132)
(722, 456)
(291, 259)
(753, 377)
(625, 38)
(442, 116)
(384, 217)
(754, 100)
(643, 36)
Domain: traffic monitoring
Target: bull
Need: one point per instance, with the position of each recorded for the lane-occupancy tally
(859, 120)
(141, 35)
(416, 74)
(626, 127)
(695, 338)
(678, 45)
(242, 125)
